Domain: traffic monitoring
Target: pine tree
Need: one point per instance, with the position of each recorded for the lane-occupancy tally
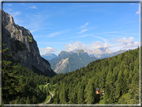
(10, 81)
(21, 101)
(28, 100)
(90, 93)
(17, 100)
(80, 95)
(62, 94)
(33, 99)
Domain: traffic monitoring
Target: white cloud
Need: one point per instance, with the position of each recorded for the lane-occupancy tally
(137, 12)
(76, 45)
(33, 7)
(39, 18)
(92, 46)
(99, 44)
(9, 4)
(127, 44)
(84, 30)
(15, 13)
(84, 26)
(105, 40)
(48, 50)
(57, 33)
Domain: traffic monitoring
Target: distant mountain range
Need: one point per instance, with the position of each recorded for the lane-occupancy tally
(103, 53)
(70, 61)
(98, 53)
(49, 56)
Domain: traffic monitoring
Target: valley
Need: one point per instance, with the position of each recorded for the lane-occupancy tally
(72, 77)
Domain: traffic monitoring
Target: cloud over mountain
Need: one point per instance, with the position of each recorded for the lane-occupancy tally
(48, 50)
(127, 44)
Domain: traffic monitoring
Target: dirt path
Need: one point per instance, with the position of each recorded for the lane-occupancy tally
(50, 93)
(46, 84)
(49, 99)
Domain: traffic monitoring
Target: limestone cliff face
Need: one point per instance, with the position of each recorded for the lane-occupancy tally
(22, 46)
(70, 61)
(61, 65)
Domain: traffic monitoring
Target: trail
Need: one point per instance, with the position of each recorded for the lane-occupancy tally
(49, 99)
(46, 84)
(50, 93)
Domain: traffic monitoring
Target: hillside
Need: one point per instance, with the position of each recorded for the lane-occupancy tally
(70, 61)
(23, 69)
(22, 46)
(118, 76)
(24, 72)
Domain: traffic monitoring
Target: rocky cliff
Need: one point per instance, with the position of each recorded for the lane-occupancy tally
(70, 61)
(22, 46)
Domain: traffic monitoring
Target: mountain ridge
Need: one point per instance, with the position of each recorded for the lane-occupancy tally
(22, 46)
(70, 61)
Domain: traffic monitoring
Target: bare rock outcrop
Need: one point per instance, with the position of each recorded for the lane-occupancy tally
(22, 46)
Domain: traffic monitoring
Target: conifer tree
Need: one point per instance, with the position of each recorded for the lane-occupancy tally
(9, 79)
(33, 99)
(28, 100)
(90, 93)
(80, 95)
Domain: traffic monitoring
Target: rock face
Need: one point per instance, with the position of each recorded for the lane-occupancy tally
(98, 52)
(22, 46)
(61, 65)
(103, 52)
(70, 61)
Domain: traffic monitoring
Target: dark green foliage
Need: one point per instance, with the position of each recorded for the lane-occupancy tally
(28, 100)
(20, 84)
(30, 38)
(116, 75)
(10, 79)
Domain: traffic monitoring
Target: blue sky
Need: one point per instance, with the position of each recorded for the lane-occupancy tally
(71, 26)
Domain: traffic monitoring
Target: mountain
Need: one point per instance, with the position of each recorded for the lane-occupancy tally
(103, 52)
(22, 46)
(49, 56)
(62, 55)
(98, 52)
(117, 76)
(70, 61)
(111, 54)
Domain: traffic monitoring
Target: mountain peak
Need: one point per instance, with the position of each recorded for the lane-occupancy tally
(22, 46)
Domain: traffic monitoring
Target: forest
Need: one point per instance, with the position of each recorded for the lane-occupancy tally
(118, 76)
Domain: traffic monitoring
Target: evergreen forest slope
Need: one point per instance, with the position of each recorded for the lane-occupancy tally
(20, 85)
(118, 76)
